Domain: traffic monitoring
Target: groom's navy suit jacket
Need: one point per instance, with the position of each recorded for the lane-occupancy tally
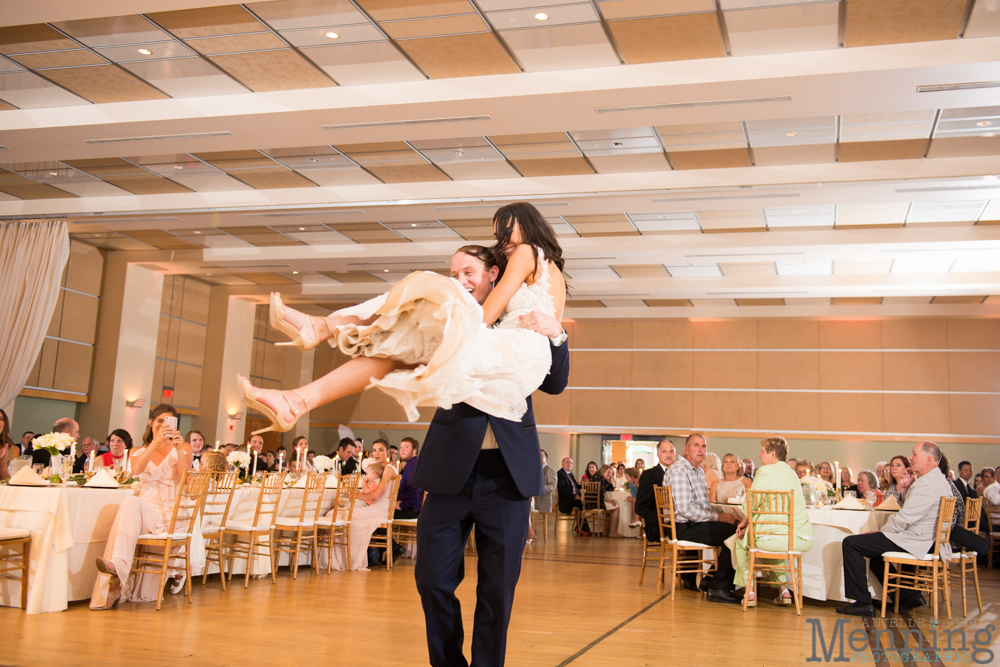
(455, 437)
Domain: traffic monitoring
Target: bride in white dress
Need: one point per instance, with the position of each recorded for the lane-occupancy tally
(427, 342)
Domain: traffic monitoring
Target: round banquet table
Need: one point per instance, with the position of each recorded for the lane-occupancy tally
(823, 565)
(626, 513)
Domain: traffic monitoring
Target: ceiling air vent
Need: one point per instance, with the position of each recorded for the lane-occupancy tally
(958, 86)
(395, 123)
(688, 105)
(159, 137)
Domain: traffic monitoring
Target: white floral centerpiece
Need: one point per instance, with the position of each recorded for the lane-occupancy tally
(239, 459)
(54, 443)
(322, 463)
(814, 488)
(365, 463)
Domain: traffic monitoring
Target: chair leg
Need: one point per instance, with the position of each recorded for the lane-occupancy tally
(975, 580)
(187, 570)
(295, 555)
(796, 568)
(673, 573)
(26, 564)
(934, 590)
(388, 547)
(885, 588)
(642, 568)
(947, 588)
(271, 557)
(163, 575)
(962, 572)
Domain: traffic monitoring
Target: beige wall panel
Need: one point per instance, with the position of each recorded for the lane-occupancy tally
(685, 37)
(32, 379)
(864, 151)
(725, 409)
(773, 156)
(851, 412)
(915, 334)
(787, 334)
(872, 22)
(718, 159)
(662, 369)
(600, 408)
(975, 415)
(479, 54)
(788, 370)
(79, 317)
(917, 413)
(273, 70)
(167, 296)
(85, 269)
(850, 370)
(338, 411)
(55, 323)
(974, 334)
(389, 10)
(161, 337)
(667, 334)
(191, 346)
(728, 370)
(157, 385)
(566, 166)
(173, 338)
(448, 25)
(601, 369)
(176, 297)
(187, 386)
(47, 367)
(733, 334)
(104, 83)
(416, 172)
(72, 372)
(850, 335)
(669, 409)
(274, 361)
(601, 334)
(915, 371)
(964, 146)
(974, 371)
(196, 299)
(170, 374)
(788, 412)
(551, 409)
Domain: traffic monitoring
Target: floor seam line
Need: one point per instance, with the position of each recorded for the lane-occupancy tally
(613, 630)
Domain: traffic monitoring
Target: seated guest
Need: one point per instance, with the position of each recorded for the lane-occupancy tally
(569, 491)
(196, 441)
(899, 467)
(8, 450)
(847, 481)
(748, 468)
(345, 457)
(885, 479)
(712, 467)
(977, 481)
(228, 449)
(269, 462)
(620, 473)
(543, 503)
(986, 477)
(26, 439)
(792, 463)
(159, 463)
(990, 486)
(868, 482)
(409, 499)
(774, 475)
(803, 468)
(119, 442)
(825, 472)
(394, 455)
(732, 482)
(89, 445)
(645, 498)
(590, 473)
(310, 457)
(64, 425)
(640, 464)
(698, 521)
(280, 459)
(964, 481)
(912, 530)
(632, 479)
(213, 461)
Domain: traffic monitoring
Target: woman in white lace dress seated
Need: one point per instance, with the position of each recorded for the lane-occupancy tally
(427, 342)
(159, 464)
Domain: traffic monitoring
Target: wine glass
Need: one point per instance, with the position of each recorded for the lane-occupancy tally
(871, 497)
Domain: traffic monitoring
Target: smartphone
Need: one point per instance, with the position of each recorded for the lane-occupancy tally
(170, 422)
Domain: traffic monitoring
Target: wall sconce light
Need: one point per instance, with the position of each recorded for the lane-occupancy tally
(236, 417)
(137, 403)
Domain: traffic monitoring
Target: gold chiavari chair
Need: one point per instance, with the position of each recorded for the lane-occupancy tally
(16, 562)
(993, 520)
(336, 531)
(592, 513)
(214, 512)
(153, 553)
(385, 540)
(678, 551)
(253, 538)
(650, 550)
(929, 573)
(537, 517)
(293, 535)
(966, 560)
(773, 508)
(406, 529)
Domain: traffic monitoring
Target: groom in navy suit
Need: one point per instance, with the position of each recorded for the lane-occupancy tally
(480, 471)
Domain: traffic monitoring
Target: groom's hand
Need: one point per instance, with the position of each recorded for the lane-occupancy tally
(542, 323)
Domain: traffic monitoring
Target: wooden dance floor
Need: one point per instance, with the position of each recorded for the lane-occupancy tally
(578, 603)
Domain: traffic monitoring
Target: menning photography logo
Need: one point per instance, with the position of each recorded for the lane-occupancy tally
(901, 640)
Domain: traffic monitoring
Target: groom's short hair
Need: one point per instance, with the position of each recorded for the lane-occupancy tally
(485, 255)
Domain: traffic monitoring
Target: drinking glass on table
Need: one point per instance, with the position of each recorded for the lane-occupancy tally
(38, 468)
(850, 494)
(871, 497)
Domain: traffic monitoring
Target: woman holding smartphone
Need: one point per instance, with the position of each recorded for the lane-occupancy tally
(159, 464)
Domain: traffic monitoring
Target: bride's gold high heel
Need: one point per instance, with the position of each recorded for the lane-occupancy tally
(249, 395)
(305, 338)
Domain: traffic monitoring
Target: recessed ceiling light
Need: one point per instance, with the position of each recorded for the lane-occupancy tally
(790, 134)
(312, 159)
(797, 212)
(413, 224)
(295, 273)
(542, 16)
(197, 232)
(53, 173)
(459, 152)
(208, 274)
(332, 35)
(512, 19)
(385, 270)
(145, 52)
(178, 166)
(984, 123)
(617, 143)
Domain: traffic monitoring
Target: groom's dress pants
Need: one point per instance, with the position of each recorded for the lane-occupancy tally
(491, 503)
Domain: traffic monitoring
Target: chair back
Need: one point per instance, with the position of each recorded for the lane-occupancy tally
(993, 514)
(973, 513)
(347, 490)
(218, 498)
(665, 512)
(187, 505)
(268, 497)
(770, 508)
(943, 533)
(312, 496)
(590, 495)
(393, 491)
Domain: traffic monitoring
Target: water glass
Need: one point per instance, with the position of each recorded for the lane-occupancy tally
(871, 497)
(850, 494)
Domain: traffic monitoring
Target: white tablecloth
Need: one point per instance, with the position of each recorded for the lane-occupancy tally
(626, 514)
(823, 565)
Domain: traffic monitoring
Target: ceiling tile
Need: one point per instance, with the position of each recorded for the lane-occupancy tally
(641, 271)
(104, 83)
(957, 211)
(674, 221)
(236, 43)
(478, 229)
(921, 264)
(186, 77)
(760, 302)
(135, 52)
(959, 299)
(422, 231)
(695, 270)
(702, 136)
(345, 34)
(208, 21)
(583, 303)
(773, 156)
(988, 263)
(159, 239)
(271, 178)
(474, 170)
(368, 232)
(808, 268)
(992, 211)
(266, 71)
(668, 303)
(362, 64)
(30, 91)
(865, 215)
(862, 267)
(352, 276)
(623, 9)
(870, 22)
(886, 126)
(211, 238)
(804, 216)
(71, 58)
(430, 27)
(624, 303)
(784, 29)
(628, 164)
(68, 179)
(712, 303)
(290, 14)
(738, 220)
(568, 166)
(557, 15)
(592, 274)
(32, 39)
(792, 131)
(562, 47)
(685, 37)
(25, 188)
(390, 10)
(478, 54)
(262, 236)
(748, 269)
(856, 301)
(869, 151)
(710, 159)
(113, 31)
(984, 21)
(968, 122)
(266, 278)
(501, 5)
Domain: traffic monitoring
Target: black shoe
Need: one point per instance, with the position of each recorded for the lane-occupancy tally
(724, 596)
(397, 552)
(704, 585)
(688, 585)
(911, 602)
(857, 609)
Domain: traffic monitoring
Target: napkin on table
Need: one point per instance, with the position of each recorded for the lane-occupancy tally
(890, 503)
(102, 479)
(27, 477)
(849, 504)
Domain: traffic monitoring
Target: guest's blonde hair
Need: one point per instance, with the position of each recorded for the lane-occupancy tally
(213, 461)
(377, 467)
(805, 463)
(776, 445)
(712, 463)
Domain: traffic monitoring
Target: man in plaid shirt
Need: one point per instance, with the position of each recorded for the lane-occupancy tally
(698, 521)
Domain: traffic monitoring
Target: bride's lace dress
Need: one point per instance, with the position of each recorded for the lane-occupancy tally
(430, 320)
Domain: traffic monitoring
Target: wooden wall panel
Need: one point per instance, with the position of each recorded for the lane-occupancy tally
(725, 409)
(974, 371)
(551, 409)
(662, 408)
(917, 413)
(788, 370)
(850, 334)
(729, 370)
(55, 324)
(79, 317)
(850, 370)
(674, 333)
(191, 343)
(601, 334)
(907, 371)
(733, 334)
(792, 411)
(915, 334)
(974, 334)
(851, 412)
(601, 369)
(601, 408)
(72, 368)
(975, 414)
(85, 268)
(662, 369)
(787, 334)
(187, 385)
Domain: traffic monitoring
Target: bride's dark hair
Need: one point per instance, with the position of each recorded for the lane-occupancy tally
(534, 231)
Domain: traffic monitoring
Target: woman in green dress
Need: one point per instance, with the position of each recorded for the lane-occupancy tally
(773, 475)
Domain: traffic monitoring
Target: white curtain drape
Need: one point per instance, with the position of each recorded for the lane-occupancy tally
(32, 258)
